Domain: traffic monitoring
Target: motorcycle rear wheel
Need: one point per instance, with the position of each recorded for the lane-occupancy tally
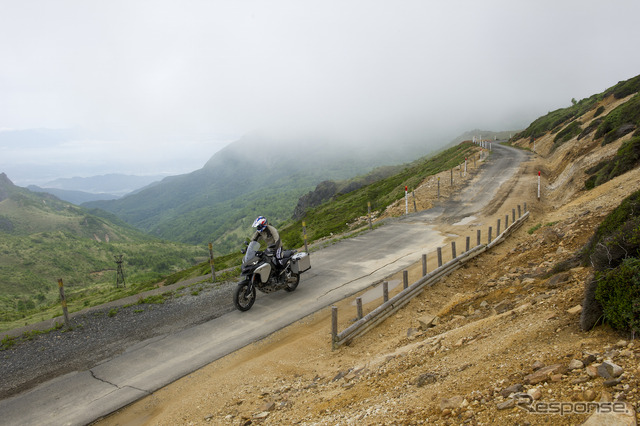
(292, 281)
(244, 296)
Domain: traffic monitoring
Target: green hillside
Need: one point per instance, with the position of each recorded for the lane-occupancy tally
(250, 177)
(332, 216)
(43, 239)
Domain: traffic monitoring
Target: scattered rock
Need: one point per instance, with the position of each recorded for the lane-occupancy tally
(261, 416)
(575, 364)
(557, 279)
(511, 389)
(589, 395)
(544, 374)
(535, 393)
(428, 321)
(575, 310)
(537, 365)
(609, 370)
(588, 359)
(426, 379)
(509, 403)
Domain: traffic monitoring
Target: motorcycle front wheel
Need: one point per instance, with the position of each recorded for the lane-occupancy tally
(244, 296)
(292, 281)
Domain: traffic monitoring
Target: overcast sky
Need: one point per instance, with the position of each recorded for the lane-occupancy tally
(159, 86)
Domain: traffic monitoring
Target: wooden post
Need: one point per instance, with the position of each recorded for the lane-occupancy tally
(506, 221)
(489, 238)
(468, 244)
(519, 212)
(451, 176)
(415, 207)
(525, 207)
(213, 269)
(478, 237)
(439, 257)
(424, 265)
(304, 235)
(369, 208)
(405, 279)
(498, 228)
(334, 327)
(63, 301)
(359, 306)
(453, 250)
(513, 215)
(385, 291)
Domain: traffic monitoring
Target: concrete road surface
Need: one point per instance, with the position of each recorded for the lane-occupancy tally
(337, 271)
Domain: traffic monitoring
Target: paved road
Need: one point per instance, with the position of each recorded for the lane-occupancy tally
(337, 271)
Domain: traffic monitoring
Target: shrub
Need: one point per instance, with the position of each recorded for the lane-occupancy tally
(567, 133)
(591, 309)
(627, 158)
(617, 237)
(618, 292)
(599, 111)
(622, 120)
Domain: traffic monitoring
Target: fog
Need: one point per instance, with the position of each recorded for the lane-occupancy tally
(159, 86)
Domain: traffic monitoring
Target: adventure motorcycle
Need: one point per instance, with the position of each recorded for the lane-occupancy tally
(260, 270)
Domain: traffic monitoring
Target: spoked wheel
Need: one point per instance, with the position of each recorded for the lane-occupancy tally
(244, 296)
(292, 281)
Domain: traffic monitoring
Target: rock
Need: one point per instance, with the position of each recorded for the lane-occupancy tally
(535, 393)
(609, 370)
(557, 279)
(575, 310)
(612, 382)
(426, 379)
(428, 321)
(589, 395)
(511, 389)
(451, 403)
(268, 406)
(588, 359)
(261, 416)
(592, 370)
(509, 403)
(484, 304)
(537, 365)
(544, 374)
(622, 418)
(575, 364)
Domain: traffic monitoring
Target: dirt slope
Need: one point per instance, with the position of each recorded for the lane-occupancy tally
(500, 320)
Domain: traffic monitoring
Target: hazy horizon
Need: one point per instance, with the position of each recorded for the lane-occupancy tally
(135, 87)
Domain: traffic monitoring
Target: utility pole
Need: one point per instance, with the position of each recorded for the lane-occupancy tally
(119, 271)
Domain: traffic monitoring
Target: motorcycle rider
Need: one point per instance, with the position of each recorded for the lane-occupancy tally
(269, 235)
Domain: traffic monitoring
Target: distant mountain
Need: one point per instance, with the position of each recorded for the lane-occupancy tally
(114, 185)
(74, 197)
(255, 175)
(43, 238)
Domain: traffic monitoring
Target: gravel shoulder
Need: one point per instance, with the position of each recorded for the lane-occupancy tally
(100, 333)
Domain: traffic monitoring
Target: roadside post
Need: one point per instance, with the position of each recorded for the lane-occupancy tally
(304, 236)
(369, 213)
(406, 200)
(213, 269)
(538, 185)
(63, 302)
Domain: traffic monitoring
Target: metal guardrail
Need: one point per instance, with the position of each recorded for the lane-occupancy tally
(388, 308)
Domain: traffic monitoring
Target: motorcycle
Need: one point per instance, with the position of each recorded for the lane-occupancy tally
(260, 270)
